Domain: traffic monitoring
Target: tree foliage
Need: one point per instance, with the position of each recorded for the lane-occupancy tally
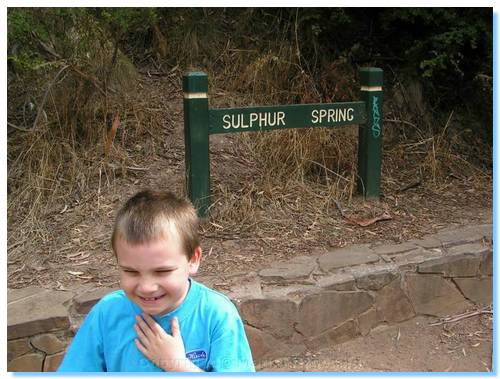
(448, 47)
(448, 50)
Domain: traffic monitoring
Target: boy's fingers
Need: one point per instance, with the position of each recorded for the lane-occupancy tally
(153, 325)
(176, 330)
(140, 347)
(149, 320)
(142, 337)
(143, 326)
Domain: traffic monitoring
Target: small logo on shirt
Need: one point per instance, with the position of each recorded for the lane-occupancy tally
(196, 355)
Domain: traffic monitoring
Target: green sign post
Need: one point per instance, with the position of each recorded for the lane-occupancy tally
(370, 134)
(200, 122)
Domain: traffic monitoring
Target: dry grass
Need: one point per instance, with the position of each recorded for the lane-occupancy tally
(292, 172)
(62, 158)
(291, 178)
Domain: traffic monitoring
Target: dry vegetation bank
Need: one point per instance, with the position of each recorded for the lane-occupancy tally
(93, 129)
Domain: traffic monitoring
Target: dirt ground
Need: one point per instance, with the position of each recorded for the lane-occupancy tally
(71, 244)
(414, 345)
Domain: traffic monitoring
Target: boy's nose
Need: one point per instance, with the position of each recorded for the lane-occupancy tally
(147, 287)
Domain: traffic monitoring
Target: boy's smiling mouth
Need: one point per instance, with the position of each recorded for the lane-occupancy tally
(151, 299)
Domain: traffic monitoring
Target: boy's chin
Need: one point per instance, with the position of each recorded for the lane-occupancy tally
(161, 308)
(155, 311)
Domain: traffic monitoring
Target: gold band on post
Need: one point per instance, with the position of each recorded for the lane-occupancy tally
(371, 89)
(196, 95)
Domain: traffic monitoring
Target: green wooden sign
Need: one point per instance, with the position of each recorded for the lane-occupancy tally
(254, 119)
(200, 122)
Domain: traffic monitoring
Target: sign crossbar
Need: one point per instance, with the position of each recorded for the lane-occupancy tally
(252, 119)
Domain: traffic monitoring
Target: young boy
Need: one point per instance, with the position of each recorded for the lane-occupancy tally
(161, 319)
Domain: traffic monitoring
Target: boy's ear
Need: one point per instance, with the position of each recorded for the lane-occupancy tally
(194, 262)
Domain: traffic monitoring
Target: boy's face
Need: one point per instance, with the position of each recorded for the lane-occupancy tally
(155, 275)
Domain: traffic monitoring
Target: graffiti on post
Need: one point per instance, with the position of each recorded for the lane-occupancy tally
(376, 118)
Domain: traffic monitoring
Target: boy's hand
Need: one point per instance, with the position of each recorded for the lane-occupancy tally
(164, 350)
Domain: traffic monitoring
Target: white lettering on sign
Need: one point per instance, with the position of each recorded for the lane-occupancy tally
(261, 119)
(332, 115)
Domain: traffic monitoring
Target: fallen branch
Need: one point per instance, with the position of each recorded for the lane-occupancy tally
(131, 168)
(368, 222)
(411, 185)
(361, 222)
(92, 79)
(447, 320)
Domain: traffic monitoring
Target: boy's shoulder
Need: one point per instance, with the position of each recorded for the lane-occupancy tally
(114, 295)
(113, 299)
(214, 299)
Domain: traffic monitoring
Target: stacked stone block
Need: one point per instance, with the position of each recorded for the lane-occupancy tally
(316, 301)
(38, 329)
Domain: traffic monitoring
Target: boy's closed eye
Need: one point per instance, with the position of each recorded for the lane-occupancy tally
(129, 271)
(164, 272)
(160, 271)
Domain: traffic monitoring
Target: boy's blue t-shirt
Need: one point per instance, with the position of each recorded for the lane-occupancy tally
(211, 329)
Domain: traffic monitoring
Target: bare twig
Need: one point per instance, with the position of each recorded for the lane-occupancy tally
(92, 80)
(330, 171)
(45, 46)
(49, 87)
(131, 168)
(111, 135)
(415, 144)
(339, 207)
(19, 127)
(447, 320)
(18, 270)
(11, 247)
(411, 185)
(400, 122)
(296, 36)
(446, 125)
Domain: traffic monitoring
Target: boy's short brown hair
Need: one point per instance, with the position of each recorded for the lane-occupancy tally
(148, 215)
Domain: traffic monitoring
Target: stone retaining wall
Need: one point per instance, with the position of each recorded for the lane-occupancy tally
(307, 303)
